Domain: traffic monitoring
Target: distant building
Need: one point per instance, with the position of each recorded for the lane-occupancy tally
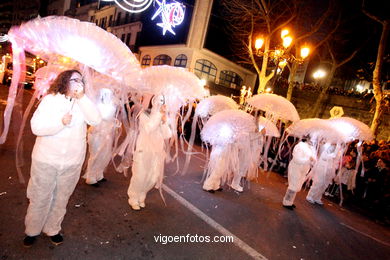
(192, 55)
(14, 12)
(58, 7)
(184, 49)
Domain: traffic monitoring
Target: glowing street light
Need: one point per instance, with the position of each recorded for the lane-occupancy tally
(280, 52)
(259, 43)
(319, 74)
(287, 40)
(284, 33)
(305, 51)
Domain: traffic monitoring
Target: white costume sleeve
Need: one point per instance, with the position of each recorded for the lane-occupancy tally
(90, 111)
(47, 120)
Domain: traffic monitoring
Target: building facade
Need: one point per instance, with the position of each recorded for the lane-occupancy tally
(184, 49)
(155, 42)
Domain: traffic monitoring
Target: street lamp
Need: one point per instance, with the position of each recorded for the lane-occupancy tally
(319, 74)
(280, 52)
(284, 33)
(287, 40)
(259, 43)
(279, 55)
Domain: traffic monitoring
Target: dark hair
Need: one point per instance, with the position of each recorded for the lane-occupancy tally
(61, 83)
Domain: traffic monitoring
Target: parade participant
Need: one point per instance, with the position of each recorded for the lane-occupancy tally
(60, 124)
(324, 171)
(248, 162)
(100, 139)
(217, 168)
(231, 133)
(303, 156)
(149, 156)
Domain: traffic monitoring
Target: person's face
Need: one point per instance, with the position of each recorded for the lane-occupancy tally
(76, 83)
(380, 164)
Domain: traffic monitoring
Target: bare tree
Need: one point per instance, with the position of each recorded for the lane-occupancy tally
(334, 63)
(376, 80)
(309, 34)
(248, 18)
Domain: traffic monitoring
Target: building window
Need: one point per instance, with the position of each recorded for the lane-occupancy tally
(230, 79)
(118, 18)
(128, 39)
(110, 21)
(146, 61)
(181, 61)
(204, 69)
(162, 59)
(103, 22)
(123, 37)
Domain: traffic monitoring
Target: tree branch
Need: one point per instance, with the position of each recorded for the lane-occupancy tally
(373, 17)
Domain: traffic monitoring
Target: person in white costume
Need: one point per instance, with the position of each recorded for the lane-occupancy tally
(218, 166)
(248, 162)
(60, 124)
(100, 139)
(243, 169)
(149, 156)
(303, 156)
(323, 173)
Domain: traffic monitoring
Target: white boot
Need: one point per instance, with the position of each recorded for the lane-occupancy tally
(237, 187)
(134, 204)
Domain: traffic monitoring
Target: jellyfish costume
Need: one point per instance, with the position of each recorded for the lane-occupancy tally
(55, 168)
(231, 133)
(324, 171)
(100, 138)
(149, 156)
(172, 88)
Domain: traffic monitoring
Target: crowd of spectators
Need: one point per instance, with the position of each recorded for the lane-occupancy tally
(363, 180)
(314, 87)
(370, 189)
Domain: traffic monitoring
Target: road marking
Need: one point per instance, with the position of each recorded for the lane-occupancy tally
(238, 242)
(367, 235)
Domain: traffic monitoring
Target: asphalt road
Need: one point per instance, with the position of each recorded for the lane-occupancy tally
(99, 223)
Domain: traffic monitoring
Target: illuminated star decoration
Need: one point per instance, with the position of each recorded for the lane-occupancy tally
(171, 15)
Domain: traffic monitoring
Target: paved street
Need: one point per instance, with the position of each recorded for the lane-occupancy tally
(99, 223)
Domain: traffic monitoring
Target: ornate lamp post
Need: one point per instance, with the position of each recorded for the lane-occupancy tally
(281, 55)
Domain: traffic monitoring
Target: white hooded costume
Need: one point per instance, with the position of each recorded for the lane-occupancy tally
(57, 157)
(247, 162)
(323, 173)
(235, 149)
(149, 156)
(299, 166)
(100, 138)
